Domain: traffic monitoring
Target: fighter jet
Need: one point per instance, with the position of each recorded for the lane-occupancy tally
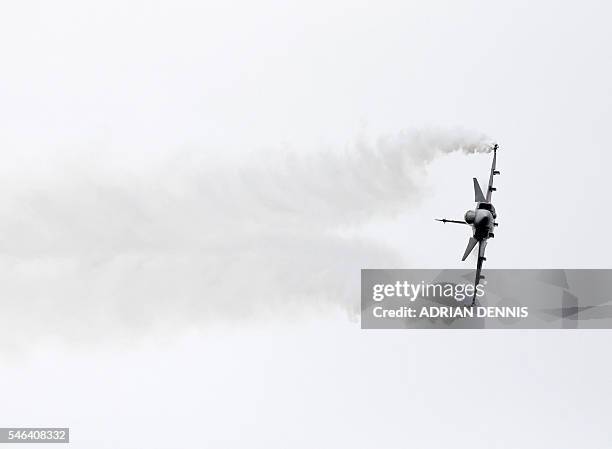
(482, 221)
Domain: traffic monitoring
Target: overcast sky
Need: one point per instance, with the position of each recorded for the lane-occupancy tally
(134, 137)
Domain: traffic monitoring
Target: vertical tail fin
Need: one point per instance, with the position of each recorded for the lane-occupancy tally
(478, 196)
(470, 246)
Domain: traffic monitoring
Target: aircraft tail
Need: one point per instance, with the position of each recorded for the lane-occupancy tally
(478, 196)
(470, 246)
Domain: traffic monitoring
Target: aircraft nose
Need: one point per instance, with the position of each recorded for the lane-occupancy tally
(482, 218)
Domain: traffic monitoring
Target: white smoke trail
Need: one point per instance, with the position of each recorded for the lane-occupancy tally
(90, 249)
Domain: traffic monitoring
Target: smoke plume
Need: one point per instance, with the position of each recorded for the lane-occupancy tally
(92, 247)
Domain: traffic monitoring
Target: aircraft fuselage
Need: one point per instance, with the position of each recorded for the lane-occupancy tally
(482, 220)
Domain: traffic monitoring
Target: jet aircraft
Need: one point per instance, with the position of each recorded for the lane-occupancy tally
(482, 221)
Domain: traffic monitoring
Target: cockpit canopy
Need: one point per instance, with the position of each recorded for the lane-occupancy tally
(469, 216)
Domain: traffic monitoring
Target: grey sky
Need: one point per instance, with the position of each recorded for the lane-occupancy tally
(126, 86)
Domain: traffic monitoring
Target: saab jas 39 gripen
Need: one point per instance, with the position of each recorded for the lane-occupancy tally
(482, 220)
